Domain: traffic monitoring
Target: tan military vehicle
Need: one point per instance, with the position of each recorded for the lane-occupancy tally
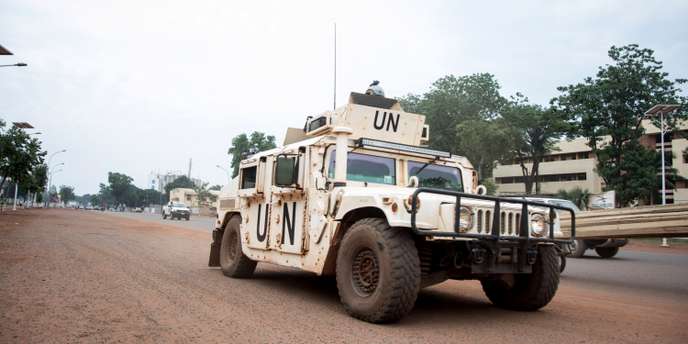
(355, 194)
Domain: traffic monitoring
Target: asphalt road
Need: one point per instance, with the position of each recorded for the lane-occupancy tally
(76, 276)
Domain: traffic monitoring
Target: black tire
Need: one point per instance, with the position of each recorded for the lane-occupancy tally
(578, 248)
(528, 292)
(607, 252)
(232, 260)
(378, 271)
(188, 217)
(562, 263)
(164, 216)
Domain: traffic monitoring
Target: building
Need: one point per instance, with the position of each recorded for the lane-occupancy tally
(187, 196)
(573, 163)
(158, 181)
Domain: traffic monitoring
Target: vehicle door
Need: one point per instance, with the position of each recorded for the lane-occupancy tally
(254, 191)
(288, 222)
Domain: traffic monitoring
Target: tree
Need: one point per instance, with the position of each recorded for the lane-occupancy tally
(243, 144)
(612, 105)
(531, 133)
(120, 185)
(19, 154)
(576, 195)
(180, 182)
(66, 193)
(461, 112)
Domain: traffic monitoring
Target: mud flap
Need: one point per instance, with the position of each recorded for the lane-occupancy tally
(214, 259)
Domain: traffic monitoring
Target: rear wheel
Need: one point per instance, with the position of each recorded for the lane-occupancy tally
(188, 217)
(527, 292)
(607, 252)
(164, 216)
(378, 271)
(232, 260)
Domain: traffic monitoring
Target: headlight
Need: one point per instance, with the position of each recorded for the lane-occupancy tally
(537, 225)
(466, 217)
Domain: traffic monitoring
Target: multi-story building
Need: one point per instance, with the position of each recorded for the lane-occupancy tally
(158, 181)
(573, 163)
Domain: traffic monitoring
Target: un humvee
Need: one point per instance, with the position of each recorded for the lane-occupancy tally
(355, 194)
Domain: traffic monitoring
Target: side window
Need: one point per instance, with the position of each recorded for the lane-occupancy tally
(248, 177)
(366, 168)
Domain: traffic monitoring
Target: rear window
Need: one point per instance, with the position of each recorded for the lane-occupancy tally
(248, 177)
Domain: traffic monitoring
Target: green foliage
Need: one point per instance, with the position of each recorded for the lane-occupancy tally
(613, 103)
(576, 195)
(461, 112)
(180, 182)
(490, 185)
(120, 185)
(215, 187)
(243, 144)
(66, 194)
(19, 155)
(530, 133)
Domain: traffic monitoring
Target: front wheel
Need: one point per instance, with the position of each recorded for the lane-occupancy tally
(578, 248)
(232, 260)
(527, 292)
(378, 271)
(164, 216)
(607, 252)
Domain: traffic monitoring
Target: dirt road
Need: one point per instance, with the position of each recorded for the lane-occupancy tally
(74, 276)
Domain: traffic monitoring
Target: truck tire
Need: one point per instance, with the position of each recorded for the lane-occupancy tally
(378, 271)
(164, 216)
(232, 260)
(528, 292)
(578, 248)
(607, 252)
(188, 217)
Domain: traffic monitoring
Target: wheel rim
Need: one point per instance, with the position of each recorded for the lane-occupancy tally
(365, 272)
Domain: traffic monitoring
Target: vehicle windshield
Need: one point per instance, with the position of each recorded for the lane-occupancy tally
(180, 205)
(366, 168)
(436, 176)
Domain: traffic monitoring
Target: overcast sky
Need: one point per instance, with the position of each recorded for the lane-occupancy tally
(141, 86)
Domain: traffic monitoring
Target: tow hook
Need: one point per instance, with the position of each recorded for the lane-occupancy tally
(478, 255)
(531, 256)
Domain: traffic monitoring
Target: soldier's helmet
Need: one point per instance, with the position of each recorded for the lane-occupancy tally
(375, 89)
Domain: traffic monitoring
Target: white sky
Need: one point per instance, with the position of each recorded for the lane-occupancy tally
(137, 86)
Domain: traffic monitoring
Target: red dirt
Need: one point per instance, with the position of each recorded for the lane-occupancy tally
(76, 276)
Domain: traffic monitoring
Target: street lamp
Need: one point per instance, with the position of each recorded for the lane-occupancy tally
(50, 158)
(661, 110)
(229, 176)
(20, 64)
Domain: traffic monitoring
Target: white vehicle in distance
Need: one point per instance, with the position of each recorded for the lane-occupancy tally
(176, 210)
(356, 195)
(605, 248)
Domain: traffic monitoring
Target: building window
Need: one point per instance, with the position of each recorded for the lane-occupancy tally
(545, 178)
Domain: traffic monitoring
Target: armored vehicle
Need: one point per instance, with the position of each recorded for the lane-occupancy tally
(356, 194)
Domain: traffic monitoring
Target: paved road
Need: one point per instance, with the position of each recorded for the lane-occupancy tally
(202, 223)
(71, 276)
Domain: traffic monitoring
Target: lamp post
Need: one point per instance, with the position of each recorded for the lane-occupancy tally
(50, 178)
(20, 64)
(50, 158)
(229, 176)
(661, 110)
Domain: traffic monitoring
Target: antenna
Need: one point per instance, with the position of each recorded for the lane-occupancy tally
(334, 102)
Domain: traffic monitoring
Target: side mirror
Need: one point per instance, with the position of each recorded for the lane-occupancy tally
(285, 171)
(481, 190)
(413, 182)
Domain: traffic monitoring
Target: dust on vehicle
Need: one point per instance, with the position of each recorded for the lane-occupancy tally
(356, 194)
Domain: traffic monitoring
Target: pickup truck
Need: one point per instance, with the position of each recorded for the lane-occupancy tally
(175, 210)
